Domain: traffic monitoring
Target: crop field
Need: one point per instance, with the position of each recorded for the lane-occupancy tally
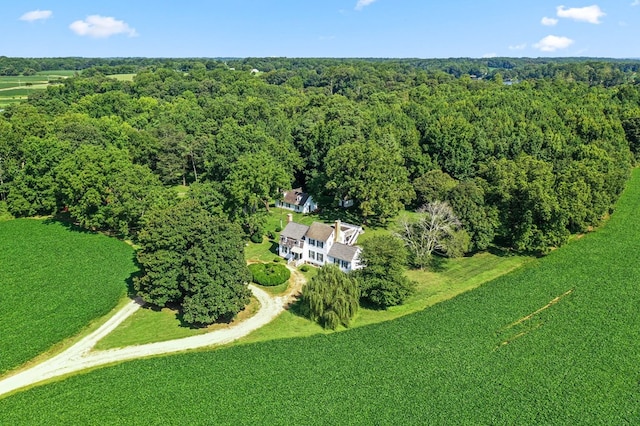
(555, 342)
(54, 282)
(17, 88)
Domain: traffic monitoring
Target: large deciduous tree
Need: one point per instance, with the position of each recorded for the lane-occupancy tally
(194, 259)
(382, 280)
(435, 229)
(330, 298)
(373, 175)
(102, 189)
(253, 182)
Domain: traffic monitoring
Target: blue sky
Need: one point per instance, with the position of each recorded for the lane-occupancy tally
(321, 28)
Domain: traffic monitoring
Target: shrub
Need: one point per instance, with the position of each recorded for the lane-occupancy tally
(277, 260)
(256, 237)
(4, 211)
(269, 274)
(271, 235)
(305, 268)
(278, 229)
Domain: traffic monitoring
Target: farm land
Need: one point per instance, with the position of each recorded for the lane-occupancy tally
(78, 276)
(14, 89)
(555, 341)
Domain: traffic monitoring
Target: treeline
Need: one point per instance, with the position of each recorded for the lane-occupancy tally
(595, 71)
(522, 165)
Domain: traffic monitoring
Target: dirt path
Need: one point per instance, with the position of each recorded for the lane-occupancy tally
(80, 356)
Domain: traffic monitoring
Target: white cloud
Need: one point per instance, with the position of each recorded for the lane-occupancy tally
(635, 3)
(363, 3)
(590, 14)
(490, 55)
(552, 43)
(36, 15)
(101, 27)
(549, 22)
(518, 46)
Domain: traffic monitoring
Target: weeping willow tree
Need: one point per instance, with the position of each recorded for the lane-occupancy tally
(331, 298)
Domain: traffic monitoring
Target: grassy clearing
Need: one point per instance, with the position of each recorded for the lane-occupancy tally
(122, 77)
(488, 356)
(455, 277)
(148, 326)
(54, 282)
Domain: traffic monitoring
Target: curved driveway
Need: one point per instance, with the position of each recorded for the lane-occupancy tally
(79, 356)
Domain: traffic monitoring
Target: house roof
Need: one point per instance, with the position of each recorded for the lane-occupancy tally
(319, 231)
(343, 252)
(294, 231)
(296, 197)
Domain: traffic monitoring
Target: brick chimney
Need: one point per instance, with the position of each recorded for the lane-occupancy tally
(337, 231)
(289, 217)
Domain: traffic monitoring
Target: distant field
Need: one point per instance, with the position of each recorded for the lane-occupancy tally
(17, 88)
(54, 281)
(58, 73)
(555, 342)
(123, 77)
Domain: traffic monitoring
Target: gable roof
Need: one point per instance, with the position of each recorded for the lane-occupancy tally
(319, 231)
(296, 197)
(294, 231)
(343, 252)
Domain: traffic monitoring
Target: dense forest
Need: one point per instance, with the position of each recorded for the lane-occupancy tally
(525, 151)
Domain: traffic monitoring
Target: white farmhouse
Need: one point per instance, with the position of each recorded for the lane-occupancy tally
(298, 201)
(320, 244)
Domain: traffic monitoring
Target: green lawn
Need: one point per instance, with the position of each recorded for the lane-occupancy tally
(554, 342)
(148, 326)
(54, 282)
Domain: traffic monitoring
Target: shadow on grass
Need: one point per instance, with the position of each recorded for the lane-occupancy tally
(64, 219)
(437, 264)
(501, 251)
(274, 247)
(296, 308)
(330, 214)
(130, 281)
(225, 319)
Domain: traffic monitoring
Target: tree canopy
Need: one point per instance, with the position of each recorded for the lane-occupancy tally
(195, 260)
(382, 280)
(525, 151)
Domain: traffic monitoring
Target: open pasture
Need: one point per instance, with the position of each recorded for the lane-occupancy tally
(555, 342)
(54, 282)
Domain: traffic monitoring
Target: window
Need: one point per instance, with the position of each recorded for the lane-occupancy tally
(336, 261)
(312, 242)
(320, 244)
(319, 257)
(344, 264)
(312, 255)
(285, 250)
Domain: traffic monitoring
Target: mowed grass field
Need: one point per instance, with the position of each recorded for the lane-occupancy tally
(53, 282)
(554, 342)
